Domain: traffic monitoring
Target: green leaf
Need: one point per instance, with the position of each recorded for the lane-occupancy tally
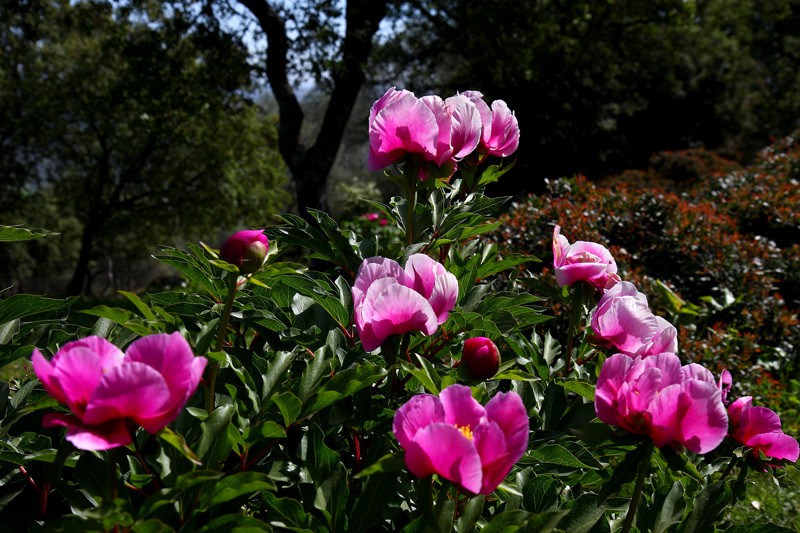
(232, 487)
(177, 441)
(709, 504)
(140, 305)
(669, 506)
(345, 383)
(272, 430)
(557, 455)
(289, 405)
(25, 305)
(392, 462)
(235, 522)
(276, 368)
(20, 233)
(540, 494)
(587, 510)
(214, 445)
(583, 389)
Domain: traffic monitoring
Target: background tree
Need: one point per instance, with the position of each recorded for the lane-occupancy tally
(331, 43)
(603, 85)
(141, 128)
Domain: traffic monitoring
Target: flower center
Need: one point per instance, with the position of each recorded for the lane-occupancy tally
(466, 431)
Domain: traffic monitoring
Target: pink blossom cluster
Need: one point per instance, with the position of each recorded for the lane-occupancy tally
(758, 428)
(622, 318)
(110, 393)
(390, 300)
(375, 217)
(655, 396)
(438, 133)
(454, 436)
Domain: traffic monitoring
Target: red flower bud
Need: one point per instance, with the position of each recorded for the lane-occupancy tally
(246, 249)
(481, 357)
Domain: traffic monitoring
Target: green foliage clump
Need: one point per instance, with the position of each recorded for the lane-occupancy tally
(713, 245)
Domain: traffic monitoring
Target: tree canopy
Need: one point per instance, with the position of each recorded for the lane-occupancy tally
(129, 127)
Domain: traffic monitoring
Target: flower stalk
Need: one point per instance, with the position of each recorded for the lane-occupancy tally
(644, 466)
(213, 368)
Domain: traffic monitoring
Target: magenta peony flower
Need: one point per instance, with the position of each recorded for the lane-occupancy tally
(672, 404)
(389, 300)
(500, 134)
(481, 357)
(454, 436)
(108, 391)
(759, 428)
(583, 261)
(246, 249)
(623, 319)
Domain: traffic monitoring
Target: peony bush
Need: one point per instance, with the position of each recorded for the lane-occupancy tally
(415, 384)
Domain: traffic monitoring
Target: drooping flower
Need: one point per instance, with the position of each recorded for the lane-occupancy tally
(583, 261)
(246, 249)
(389, 300)
(500, 133)
(454, 436)
(108, 391)
(481, 357)
(623, 319)
(672, 404)
(759, 428)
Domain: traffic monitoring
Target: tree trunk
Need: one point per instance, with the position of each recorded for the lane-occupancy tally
(77, 284)
(310, 166)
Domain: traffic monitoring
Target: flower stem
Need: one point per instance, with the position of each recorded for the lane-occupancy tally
(213, 368)
(644, 466)
(411, 190)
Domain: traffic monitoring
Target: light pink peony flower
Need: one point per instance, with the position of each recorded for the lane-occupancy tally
(759, 428)
(108, 391)
(455, 437)
(583, 261)
(389, 300)
(623, 319)
(401, 124)
(657, 397)
(500, 134)
(246, 249)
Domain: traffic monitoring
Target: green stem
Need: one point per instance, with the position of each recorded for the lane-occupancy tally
(213, 368)
(644, 466)
(111, 477)
(411, 175)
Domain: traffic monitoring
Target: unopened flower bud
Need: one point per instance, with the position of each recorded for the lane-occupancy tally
(247, 249)
(481, 357)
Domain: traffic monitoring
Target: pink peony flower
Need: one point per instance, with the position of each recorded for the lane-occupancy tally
(439, 133)
(623, 319)
(583, 261)
(481, 357)
(500, 134)
(246, 249)
(454, 436)
(401, 124)
(108, 391)
(759, 428)
(389, 300)
(672, 404)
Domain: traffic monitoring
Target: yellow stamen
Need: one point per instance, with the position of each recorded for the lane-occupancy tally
(466, 431)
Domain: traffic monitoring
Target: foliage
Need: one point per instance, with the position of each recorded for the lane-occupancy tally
(120, 128)
(294, 431)
(715, 248)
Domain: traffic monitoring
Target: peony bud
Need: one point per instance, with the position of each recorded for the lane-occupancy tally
(481, 357)
(247, 249)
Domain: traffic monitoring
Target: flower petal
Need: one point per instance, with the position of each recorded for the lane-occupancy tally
(460, 408)
(414, 415)
(112, 434)
(443, 449)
